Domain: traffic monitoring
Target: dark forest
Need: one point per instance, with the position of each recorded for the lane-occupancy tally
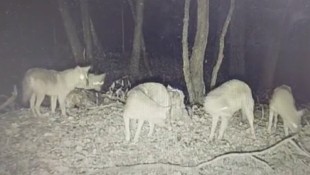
(142, 57)
(269, 38)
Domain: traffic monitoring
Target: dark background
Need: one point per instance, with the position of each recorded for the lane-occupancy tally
(32, 35)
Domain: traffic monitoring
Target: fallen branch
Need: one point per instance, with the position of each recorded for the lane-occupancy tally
(253, 154)
(195, 169)
(10, 100)
(147, 167)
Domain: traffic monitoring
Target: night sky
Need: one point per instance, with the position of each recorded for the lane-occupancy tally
(32, 35)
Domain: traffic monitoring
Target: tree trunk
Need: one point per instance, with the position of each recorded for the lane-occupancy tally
(198, 51)
(146, 60)
(86, 29)
(94, 36)
(185, 56)
(222, 44)
(237, 42)
(136, 49)
(72, 35)
(274, 48)
(143, 48)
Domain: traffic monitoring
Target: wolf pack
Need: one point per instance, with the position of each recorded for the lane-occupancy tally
(158, 104)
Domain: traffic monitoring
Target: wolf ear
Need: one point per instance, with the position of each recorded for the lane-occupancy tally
(169, 87)
(103, 76)
(300, 113)
(85, 69)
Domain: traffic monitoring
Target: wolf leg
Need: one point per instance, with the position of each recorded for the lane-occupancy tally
(224, 123)
(151, 129)
(243, 116)
(40, 98)
(276, 115)
(32, 102)
(271, 115)
(62, 105)
(250, 117)
(53, 103)
(136, 138)
(285, 125)
(127, 127)
(214, 124)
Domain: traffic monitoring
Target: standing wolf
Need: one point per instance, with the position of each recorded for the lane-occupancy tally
(227, 99)
(282, 103)
(39, 82)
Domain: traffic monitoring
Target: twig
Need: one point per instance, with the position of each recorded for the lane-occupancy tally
(103, 106)
(112, 98)
(261, 161)
(300, 149)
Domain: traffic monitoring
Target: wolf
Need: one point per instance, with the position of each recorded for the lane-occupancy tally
(147, 102)
(282, 103)
(39, 82)
(94, 82)
(227, 99)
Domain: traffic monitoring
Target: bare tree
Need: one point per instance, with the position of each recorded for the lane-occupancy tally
(193, 67)
(86, 23)
(71, 32)
(217, 66)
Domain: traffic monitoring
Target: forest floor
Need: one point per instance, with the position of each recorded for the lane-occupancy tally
(91, 141)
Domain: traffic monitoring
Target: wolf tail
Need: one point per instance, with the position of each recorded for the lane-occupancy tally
(26, 89)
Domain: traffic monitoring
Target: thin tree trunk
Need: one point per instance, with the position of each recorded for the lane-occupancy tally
(86, 29)
(273, 51)
(185, 56)
(136, 50)
(143, 48)
(132, 9)
(198, 51)
(123, 28)
(237, 41)
(146, 60)
(222, 44)
(94, 37)
(72, 35)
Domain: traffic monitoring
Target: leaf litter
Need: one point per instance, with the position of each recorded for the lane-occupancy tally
(91, 140)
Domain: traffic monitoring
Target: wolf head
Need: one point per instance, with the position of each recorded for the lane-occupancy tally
(96, 81)
(82, 73)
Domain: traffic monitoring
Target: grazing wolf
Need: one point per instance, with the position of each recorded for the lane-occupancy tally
(227, 99)
(39, 82)
(282, 103)
(148, 102)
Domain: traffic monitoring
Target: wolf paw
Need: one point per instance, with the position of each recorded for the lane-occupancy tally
(127, 139)
(45, 114)
(210, 139)
(135, 140)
